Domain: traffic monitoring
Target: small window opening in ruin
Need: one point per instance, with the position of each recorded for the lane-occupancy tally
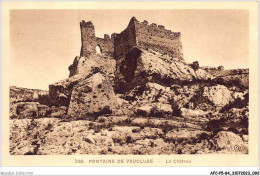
(98, 49)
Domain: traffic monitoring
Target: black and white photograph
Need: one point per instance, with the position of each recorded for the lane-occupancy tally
(129, 82)
(154, 88)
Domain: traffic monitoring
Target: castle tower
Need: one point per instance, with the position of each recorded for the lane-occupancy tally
(88, 38)
(145, 36)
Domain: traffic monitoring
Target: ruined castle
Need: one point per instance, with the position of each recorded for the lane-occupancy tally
(133, 94)
(139, 34)
(140, 54)
(89, 41)
(119, 55)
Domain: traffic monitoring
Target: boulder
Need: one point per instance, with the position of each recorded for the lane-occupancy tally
(44, 110)
(81, 69)
(61, 91)
(93, 96)
(211, 98)
(24, 110)
(121, 101)
(225, 140)
(245, 138)
(150, 93)
(145, 110)
(219, 95)
(163, 109)
(58, 112)
(157, 93)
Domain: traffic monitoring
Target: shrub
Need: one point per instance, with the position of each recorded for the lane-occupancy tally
(155, 112)
(176, 109)
(195, 65)
(221, 68)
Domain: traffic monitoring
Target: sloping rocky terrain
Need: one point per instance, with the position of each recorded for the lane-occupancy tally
(193, 118)
(144, 103)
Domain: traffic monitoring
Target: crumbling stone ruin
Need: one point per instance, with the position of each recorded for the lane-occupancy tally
(89, 41)
(133, 93)
(145, 36)
(140, 34)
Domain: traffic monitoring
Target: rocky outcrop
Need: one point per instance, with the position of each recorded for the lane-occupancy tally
(92, 96)
(94, 63)
(25, 110)
(44, 110)
(145, 110)
(219, 95)
(211, 98)
(33, 110)
(119, 135)
(59, 112)
(139, 66)
(18, 94)
(61, 91)
(81, 69)
(229, 141)
(237, 79)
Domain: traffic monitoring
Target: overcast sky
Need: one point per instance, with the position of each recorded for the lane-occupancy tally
(45, 42)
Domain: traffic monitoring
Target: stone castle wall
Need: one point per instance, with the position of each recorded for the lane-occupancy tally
(140, 34)
(146, 36)
(106, 45)
(124, 41)
(73, 68)
(89, 41)
(137, 34)
(159, 39)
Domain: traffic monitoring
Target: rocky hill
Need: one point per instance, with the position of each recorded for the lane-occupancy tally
(18, 94)
(137, 96)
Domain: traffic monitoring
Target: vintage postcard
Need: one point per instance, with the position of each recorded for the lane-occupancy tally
(129, 84)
